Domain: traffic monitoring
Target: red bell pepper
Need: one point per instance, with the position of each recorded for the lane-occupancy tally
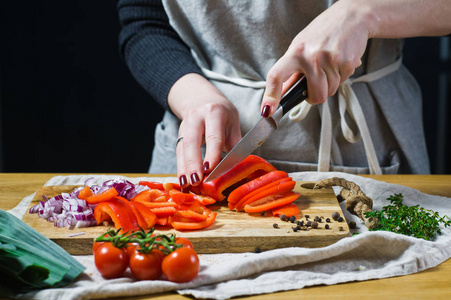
(270, 202)
(85, 193)
(121, 215)
(288, 210)
(280, 186)
(181, 223)
(250, 168)
(102, 197)
(149, 216)
(243, 190)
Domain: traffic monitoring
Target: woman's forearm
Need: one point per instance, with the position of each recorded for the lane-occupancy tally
(402, 18)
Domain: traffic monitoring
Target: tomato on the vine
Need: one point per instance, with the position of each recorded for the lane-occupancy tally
(184, 242)
(96, 246)
(110, 261)
(182, 265)
(146, 266)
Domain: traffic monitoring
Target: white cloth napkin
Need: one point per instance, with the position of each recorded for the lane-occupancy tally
(369, 255)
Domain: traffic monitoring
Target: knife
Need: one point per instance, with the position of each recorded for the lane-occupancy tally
(261, 131)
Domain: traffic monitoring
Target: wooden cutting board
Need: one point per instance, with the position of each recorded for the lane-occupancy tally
(232, 231)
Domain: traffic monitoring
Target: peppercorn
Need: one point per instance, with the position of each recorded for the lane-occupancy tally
(341, 228)
(258, 250)
(300, 223)
(295, 228)
(309, 223)
(283, 217)
(328, 220)
(307, 216)
(340, 219)
(275, 225)
(262, 213)
(335, 215)
(352, 225)
(292, 219)
(326, 226)
(316, 219)
(315, 225)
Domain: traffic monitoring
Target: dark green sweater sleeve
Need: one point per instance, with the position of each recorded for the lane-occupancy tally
(152, 50)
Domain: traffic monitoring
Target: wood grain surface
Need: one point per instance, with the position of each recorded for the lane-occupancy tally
(232, 232)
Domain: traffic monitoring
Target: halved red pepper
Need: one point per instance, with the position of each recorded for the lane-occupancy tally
(102, 197)
(288, 210)
(237, 194)
(121, 215)
(250, 168)
(278, 186)
(271, 201)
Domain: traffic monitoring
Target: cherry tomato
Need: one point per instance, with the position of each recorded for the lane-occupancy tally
(96, 246)
(146, 266)
(185, 242)
(131, 248)
(110, 261)
(182, 265)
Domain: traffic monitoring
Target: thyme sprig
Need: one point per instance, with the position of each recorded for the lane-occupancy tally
(408, 220)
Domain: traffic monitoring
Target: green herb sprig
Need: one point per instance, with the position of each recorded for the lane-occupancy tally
(408, 220)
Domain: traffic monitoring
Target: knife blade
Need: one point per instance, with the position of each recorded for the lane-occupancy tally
(261, 131)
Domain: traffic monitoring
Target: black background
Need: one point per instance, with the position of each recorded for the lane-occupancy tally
(69, 104)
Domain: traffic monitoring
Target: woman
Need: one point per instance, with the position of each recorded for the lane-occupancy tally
(219, 66)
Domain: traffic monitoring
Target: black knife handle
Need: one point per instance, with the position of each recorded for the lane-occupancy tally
(295, 95)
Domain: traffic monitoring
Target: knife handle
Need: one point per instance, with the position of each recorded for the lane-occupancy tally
(295, 95)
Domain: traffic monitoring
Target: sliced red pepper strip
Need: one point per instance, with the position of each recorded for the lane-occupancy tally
(158, 204)
(121, 215)
(243, 190)
(192, 215)
(270, 202)
(288, 210)
(167, 186)
(149, 216)
(164, 211)
(182, 198)
(152, 185)
(149, 195)
(241, 202)
(180, 225)
(141, 221)
(85, 193)
(205, 200)
(279, 186)
(163, 221)
(102, 197)
(250, 168)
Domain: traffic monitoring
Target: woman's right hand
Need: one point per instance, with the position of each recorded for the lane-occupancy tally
(207, 117)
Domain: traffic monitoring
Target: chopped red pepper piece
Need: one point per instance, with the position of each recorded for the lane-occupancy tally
(278, 186)
(250, 168)
(152, 185)
(181, 223)
(149, 216)
(271, 201)
(237, 194)
(151, 195)
(288, 210)
(102, 197)
(141, 221)
(85, 193)
(122, 216)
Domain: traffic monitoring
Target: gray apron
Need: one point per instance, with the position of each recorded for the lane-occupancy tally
(373, 124)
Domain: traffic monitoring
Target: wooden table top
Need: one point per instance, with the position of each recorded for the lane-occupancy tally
(434, 283)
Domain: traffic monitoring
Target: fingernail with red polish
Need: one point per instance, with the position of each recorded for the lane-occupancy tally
(194, 178)
(265, 111)
(206, 166)
(183, 180)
